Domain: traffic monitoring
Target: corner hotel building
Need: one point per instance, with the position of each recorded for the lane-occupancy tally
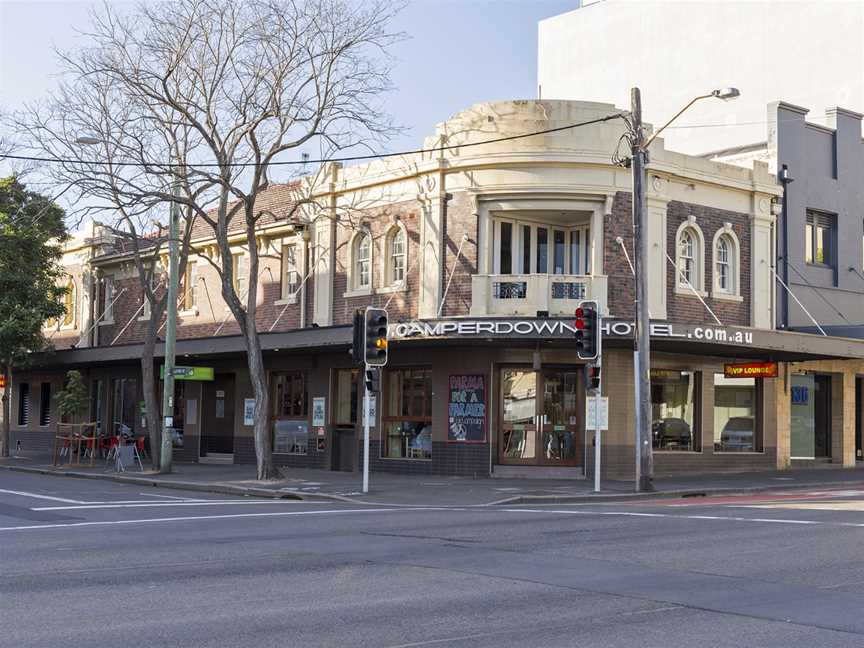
(480, 255)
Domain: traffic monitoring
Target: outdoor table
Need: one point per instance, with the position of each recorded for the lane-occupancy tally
(74, 434)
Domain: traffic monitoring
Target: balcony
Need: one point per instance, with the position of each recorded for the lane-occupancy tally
(557, 294)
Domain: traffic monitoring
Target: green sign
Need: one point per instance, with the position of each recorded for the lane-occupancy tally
(189, 373)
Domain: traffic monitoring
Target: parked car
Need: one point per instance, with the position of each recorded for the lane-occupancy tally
(737, 434)
(672, 434)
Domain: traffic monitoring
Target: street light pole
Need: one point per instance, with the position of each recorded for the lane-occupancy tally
(643, 441)
(166, 454)
(642, 364)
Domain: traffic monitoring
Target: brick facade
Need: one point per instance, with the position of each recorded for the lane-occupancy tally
(682, 305)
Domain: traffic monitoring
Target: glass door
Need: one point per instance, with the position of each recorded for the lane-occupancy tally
(518, 442)
(540, 417)
(560, 416)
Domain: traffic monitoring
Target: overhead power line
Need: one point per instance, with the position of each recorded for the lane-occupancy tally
(350, 158)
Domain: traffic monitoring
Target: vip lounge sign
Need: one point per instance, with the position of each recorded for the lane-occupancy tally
(559, 329)
(750, 370)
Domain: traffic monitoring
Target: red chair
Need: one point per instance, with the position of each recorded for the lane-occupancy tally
(110, 444)
(139, 445)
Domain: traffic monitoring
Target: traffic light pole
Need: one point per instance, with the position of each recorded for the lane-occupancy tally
(366, 401)
(598, 397)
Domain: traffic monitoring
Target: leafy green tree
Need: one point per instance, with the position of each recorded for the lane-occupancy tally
(32, 232)
(73, 400)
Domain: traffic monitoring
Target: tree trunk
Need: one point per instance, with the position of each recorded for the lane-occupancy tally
(5, 436)
(151, 403)
(261, 428)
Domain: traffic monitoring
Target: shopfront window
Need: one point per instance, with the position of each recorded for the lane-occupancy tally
(290, 413)
(124, 394)
(736, 426)
(346, 397)
(674, 410)
(407, 421)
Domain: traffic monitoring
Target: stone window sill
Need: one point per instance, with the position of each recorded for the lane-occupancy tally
(726, 297)
(686, 292)
(361, 292)
(290, 301)
(106, 323)
(392, 289)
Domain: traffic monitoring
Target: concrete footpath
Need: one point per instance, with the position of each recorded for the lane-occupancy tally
(432, 490)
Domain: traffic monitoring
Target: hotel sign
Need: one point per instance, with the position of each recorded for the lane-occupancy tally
(751, 370)
(559, 328)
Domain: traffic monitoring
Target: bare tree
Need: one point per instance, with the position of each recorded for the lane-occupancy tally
(212, 95)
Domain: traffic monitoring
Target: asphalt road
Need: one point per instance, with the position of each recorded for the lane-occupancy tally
(89, 563)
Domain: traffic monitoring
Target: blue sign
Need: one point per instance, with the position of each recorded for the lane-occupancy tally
(800, 395)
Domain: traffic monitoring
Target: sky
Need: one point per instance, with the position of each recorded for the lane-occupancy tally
(458, 52)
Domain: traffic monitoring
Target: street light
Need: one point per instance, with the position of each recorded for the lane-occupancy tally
(642, 353)
(166, 451)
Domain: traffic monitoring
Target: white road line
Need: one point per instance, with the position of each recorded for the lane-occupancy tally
(694, 517)
(175, 497)
(44, 497)
(115, 505)
(192, 518)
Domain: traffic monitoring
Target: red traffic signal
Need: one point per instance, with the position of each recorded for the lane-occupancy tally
(587, 326)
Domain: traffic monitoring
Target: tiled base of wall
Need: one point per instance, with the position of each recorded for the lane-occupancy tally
(619, 462)
(31, 441)
(462, 459)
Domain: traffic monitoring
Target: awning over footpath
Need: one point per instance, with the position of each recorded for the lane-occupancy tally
(738, 342)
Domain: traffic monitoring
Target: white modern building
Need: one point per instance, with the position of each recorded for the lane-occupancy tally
(804, 53)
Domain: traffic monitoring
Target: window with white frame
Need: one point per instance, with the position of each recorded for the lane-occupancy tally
(690, 257)
(290, 276)
(687, 257)
(362, 261)
(723, 265)
(240, 270)
(108, 295)
(397, 256)
(523, 247)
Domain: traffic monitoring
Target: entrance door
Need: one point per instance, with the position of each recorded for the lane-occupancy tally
(217, 418)
(541, 417)
(822, 415)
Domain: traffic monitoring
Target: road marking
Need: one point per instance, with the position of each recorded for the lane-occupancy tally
(811, 506)
(175, 497)
(728, 518)
(161, 504)
(192, 518)
(44, 497)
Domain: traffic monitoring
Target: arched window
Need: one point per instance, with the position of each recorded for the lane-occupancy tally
(690, 258)
(363, 261)
(687, 258)
(397, 256)
(726, 263)
(69, 300)
(723, 269)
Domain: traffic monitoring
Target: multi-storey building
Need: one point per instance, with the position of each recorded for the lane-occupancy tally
(806, 53)
(480, 251)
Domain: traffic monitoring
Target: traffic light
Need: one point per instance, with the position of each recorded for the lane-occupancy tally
(376, 337)
(587, 327)
(357, 344)
(372, 379)
(592, 377)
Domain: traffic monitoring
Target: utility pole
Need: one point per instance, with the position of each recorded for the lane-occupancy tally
(642, 372)
(170, 338)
